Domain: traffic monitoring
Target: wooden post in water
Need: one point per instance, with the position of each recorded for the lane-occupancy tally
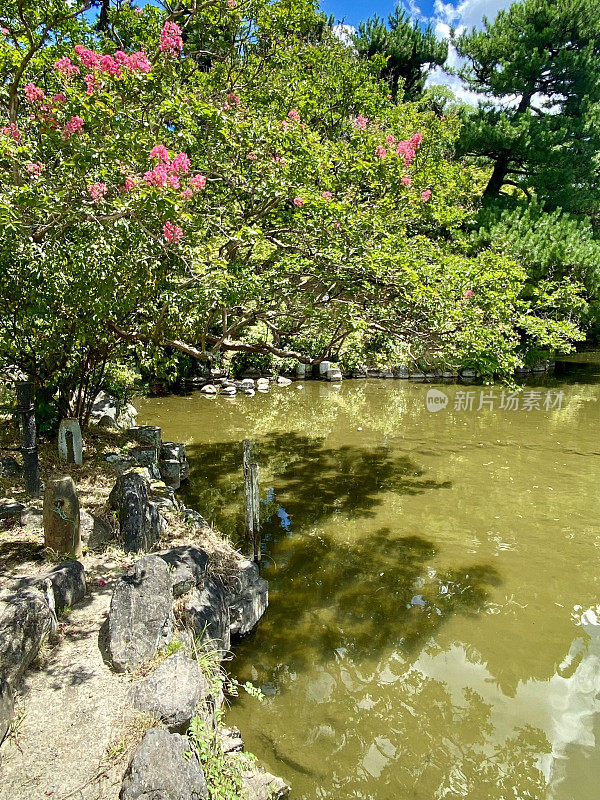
(252, 507)
(26, 407)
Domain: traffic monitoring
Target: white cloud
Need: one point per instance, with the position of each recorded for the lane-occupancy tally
(464, 16)
(344, 33)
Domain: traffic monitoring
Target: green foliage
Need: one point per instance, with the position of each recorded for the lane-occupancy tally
(223, 774)
(408, 50)
(537, 65)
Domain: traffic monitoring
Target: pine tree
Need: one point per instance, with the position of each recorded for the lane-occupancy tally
(538, 64)
(409, 51)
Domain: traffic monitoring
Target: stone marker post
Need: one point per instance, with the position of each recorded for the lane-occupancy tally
(70, 444)
(26, 407)
(61, 516)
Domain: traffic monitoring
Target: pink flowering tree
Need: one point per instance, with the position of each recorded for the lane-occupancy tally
(162, 189)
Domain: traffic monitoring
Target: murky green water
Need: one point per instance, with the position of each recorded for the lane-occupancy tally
(427, 574)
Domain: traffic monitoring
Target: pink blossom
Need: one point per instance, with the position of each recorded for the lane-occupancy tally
(92, 83)
(415, 140)
(97, 191)
(65, 66)
(181, 164)
(198, 182)
(360, 123)
(406, 150)
(174, 181)
(172, 233)
(294, 115)
(298, 201)
(109, 65)
(170, 39)
(469, 293)
(130, 183)
(278, 160)
(122, 58)
(390, 139)
(58, 98)
(226, 106)
(74, 125)
(34, 169)
(406, 181)
(233, 99)
(161, 154)
(5, 31)
(380, 151)
(186, 194)
(426, 195)
(139, 61)
(157, 177)
(33, 93)
(87, 57)
(327, 195)
(251, 156)
(285, 124)
(231, 3)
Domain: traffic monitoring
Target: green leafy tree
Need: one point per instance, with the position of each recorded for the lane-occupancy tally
(538, 65)
(409, 51)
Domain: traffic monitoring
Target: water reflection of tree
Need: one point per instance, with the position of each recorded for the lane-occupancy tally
(310, 480)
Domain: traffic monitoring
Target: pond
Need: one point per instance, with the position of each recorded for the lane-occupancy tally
(428, 571)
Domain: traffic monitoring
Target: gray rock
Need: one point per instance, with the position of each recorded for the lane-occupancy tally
(139, 520)
(468, 373)
(32, 519)
(172, 692)
(95, 533)
(417, 375)
(401, 372)
(301, 371)
(7, 707)
(61, 516)
(127, 416)
(247, 383)
(170, 472)
(334, 374)
(28, 618)
(67, 582)
(262, 384)
(261, 785)
(105, 405)
(228, 391)
(281, 381)
(140, 612)
(10, 508)
(324, 368)
(162, 496)
(250, 600)
(207, 614)
(187, 567)
(70, 443)
(176, 451)
(147, 435)
(144, 455)
(107, 423)
(10, 468)
(194, 518)
(163, 769)
(209, 388)
(118, 462)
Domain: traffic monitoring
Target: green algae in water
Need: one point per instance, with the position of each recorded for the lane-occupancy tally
(427, 572)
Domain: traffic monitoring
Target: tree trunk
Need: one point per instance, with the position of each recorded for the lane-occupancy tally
(496, 182)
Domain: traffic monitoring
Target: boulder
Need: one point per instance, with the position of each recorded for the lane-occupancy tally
(301, 371)
(127, 416)
(32, 519)
(140, 613)
(262, 384)
(139, 520)
(281, 381)
(61, 516)
(94, 532)
(28, 618)
(206, 613)
(107, 423)
(246, 383)
(194, 518)
(68, 583)
(209, 388)
(164, 767)
(10, 468)
(105, 405)
(144, 455)
(176, 451)
(468, 373)
(228, 391)
(162, 496)
(250, 600)
(324, 368)
(261, 785)
(401, 372)
(147, 435)
(170, 472)
(118, 462)
(172, 692)
(187, 567)
(334, 374)
(7, 707)
(10, 508)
